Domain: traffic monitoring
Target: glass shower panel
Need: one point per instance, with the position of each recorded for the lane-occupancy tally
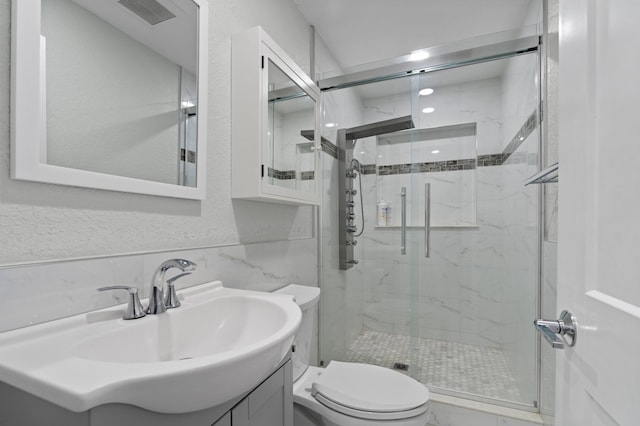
(477, 291)
(459, 321)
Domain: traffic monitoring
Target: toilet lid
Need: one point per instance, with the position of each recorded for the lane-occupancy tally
(371, 389)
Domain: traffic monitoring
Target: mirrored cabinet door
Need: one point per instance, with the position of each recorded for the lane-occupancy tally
(275, 108)
(291, 121)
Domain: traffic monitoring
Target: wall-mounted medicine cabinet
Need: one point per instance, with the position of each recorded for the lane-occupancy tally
(275, 118)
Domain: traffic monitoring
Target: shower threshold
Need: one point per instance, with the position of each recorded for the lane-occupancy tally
(458, 367)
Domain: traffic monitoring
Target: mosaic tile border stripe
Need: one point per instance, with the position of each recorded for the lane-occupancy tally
(289, 174)
(281, 174)
(436, 166)
(486, 160)
(307, 175)
(523, 133)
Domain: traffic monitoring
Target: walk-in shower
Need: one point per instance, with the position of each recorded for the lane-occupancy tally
(460, 319)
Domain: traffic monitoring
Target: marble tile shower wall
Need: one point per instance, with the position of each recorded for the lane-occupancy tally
(473, 102)
(459, 286)
(43, 292)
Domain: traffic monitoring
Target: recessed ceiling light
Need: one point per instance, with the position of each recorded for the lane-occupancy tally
(435, 151)
(425, 92)
(418, 55)
(330, 125)
(428, 110)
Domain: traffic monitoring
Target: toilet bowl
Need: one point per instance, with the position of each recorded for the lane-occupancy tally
(348, 394)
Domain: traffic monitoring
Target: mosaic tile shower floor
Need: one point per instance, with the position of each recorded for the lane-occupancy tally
(468, 368)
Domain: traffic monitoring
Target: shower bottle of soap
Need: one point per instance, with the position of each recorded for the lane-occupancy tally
(387, 215)
(381, 213)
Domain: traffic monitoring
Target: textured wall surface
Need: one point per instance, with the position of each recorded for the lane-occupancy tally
(45, 222)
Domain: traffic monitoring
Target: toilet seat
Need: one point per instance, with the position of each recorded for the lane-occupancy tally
(369, 392)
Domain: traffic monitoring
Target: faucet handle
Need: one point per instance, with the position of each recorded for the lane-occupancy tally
(134, 308)
(171, 299)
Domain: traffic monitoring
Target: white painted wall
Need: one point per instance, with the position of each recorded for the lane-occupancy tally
(44, 222)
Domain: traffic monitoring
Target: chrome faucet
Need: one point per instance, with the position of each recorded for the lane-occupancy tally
(156, 296)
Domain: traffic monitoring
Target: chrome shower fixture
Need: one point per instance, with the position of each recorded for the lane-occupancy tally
(348, 169)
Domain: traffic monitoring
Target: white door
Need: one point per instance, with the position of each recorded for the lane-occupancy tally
(599, 212)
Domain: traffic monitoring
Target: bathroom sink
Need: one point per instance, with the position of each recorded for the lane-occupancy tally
(222, 325)
(216, 347)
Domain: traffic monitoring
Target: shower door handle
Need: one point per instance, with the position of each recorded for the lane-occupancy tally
(427, 219)
(559, 332)
(403, 217)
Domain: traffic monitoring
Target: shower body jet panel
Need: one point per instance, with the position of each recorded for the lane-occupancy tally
(346, 226)
(347, 230)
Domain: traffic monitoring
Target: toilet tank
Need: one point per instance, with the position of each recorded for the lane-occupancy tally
(307, 299)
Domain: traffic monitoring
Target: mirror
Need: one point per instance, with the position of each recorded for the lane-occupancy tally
(290, 156)
(117, 93)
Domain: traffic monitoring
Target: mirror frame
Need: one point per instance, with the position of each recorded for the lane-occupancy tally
(27, 82)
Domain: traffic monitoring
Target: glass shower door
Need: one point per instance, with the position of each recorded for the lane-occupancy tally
(458, 320)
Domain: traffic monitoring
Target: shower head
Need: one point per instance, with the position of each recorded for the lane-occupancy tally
(380, 128)
(308, 134)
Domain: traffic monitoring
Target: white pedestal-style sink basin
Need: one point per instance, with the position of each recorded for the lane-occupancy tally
(217, 346)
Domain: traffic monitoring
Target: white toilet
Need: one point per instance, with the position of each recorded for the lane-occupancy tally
(344, 393)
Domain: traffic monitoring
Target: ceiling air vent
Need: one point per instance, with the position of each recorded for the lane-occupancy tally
(149, 10)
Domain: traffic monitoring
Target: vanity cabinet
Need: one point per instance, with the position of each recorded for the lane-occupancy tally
(275, 124)
(268, 404)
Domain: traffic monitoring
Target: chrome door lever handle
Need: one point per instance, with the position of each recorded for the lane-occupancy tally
(547, 330)
(559, 332)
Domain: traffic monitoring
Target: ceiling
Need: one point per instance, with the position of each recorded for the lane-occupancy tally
(362, 31)
(175, 39)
